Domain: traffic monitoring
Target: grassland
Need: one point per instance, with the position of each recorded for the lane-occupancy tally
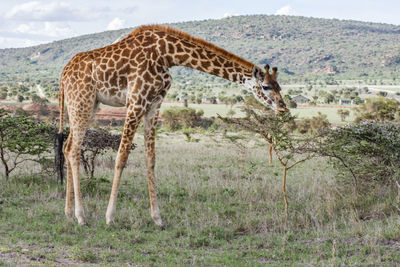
(211, 110)
(222, 206)
(330, 112)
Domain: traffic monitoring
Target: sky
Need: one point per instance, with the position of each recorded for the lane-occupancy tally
(27, 23)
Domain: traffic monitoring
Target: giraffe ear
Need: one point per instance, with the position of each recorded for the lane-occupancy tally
(274, 73)
(258, 74)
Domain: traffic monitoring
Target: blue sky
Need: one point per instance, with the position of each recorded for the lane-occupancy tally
(26, 23)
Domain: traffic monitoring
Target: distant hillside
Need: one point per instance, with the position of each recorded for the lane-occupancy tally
(303, 48)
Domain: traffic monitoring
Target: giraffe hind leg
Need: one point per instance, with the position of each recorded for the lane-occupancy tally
(150, 123)
(79, 123)
(72, 153)
(69, 196)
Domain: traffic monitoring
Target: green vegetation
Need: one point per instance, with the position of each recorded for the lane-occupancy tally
(175, 118)
(380, 108)
(370, 151)
(343, 114)
(221, 201)
(221, 206)
(22, 139)
(211, 110)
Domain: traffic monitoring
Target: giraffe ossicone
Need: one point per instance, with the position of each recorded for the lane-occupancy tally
(134, 72)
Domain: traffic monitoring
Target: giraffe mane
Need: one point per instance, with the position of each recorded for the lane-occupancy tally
(201, 42)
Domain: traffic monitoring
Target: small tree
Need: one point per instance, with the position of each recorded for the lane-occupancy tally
(329, 98)
(20, 98)
(277, 130)
(22, 139)
(177, 117)
(343, 114)
(38, 100)
(95, 143)
(319, 122)
(231, 113)
(379, 109)
(289, 101)
(313, 124)
(3, 92)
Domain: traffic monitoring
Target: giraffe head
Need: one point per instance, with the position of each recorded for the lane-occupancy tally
(266, 89)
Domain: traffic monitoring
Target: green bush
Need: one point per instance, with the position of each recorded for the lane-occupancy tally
(23, 139)
(176, 118)
(379, 109)
(370, 151)
(312, 125)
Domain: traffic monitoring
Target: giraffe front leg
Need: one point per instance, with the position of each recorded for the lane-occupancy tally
(149, 138)
(131, 124)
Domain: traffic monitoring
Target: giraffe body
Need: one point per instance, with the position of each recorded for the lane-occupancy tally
(134, 73)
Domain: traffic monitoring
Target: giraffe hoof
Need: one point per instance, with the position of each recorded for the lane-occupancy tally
(69, 216)
(83, 223)
(109, 220)
(110, 215)
(163, 227)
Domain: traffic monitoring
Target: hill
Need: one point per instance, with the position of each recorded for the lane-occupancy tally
(303, 48)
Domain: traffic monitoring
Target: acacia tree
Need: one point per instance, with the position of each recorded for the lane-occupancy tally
(343, 114)
(379, 109)
(290, 149)
(180, 117)
(22, 139)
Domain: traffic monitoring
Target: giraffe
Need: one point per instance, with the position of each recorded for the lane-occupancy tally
(134, 73)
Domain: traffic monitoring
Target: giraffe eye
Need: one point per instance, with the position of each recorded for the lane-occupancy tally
(266, 87)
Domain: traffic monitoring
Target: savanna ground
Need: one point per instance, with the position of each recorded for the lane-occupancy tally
(222, 206)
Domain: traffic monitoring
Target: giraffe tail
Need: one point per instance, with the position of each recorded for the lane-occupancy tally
(61, 107)
(59, 139)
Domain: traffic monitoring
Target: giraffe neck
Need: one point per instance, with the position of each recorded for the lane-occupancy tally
(180, 49)
(207, 60)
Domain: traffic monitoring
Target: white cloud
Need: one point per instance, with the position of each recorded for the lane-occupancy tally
(53, 11)
(6, 42)
(116, 24)
(227, 15)
(286, 10)
(49, 29)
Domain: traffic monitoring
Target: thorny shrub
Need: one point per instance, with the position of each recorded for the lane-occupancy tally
(369, 150)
